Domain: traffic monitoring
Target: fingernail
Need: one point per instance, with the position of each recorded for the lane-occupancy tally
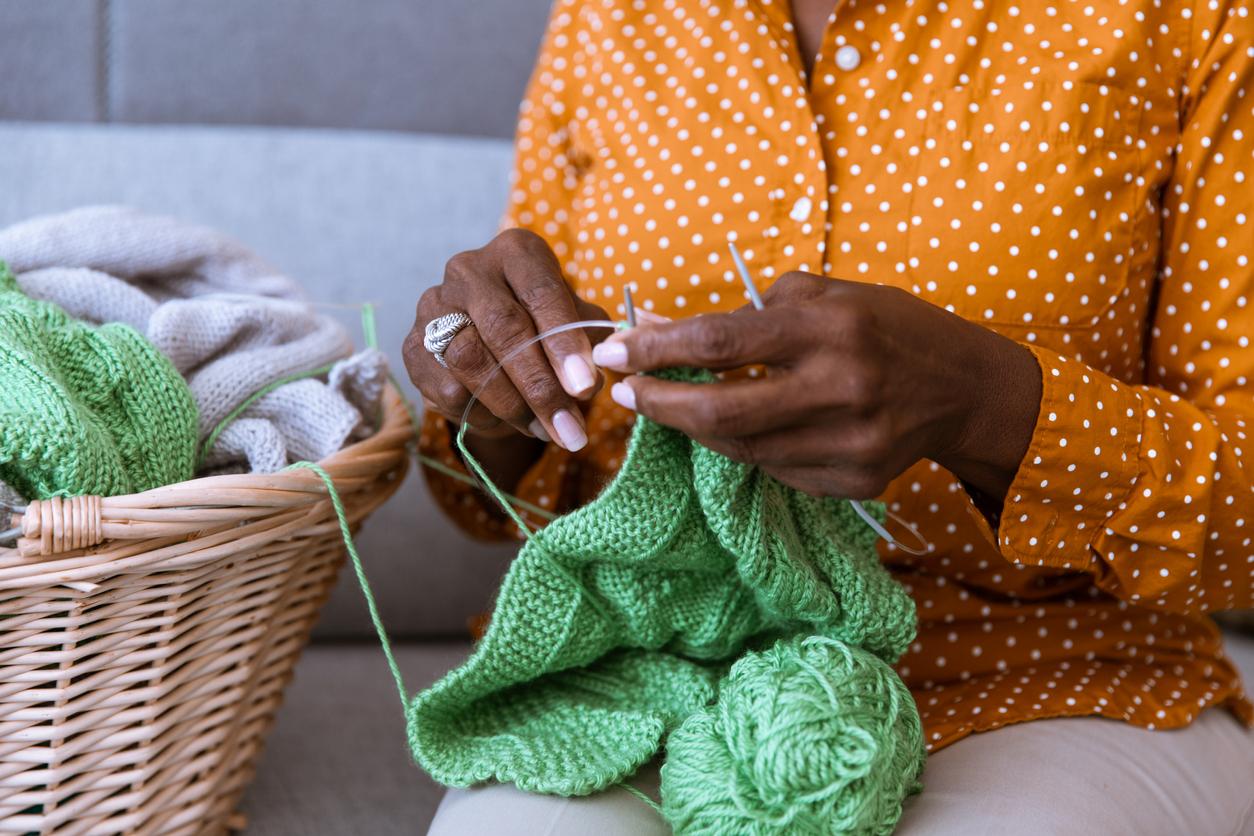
(569, 433)
(538, 430)
(578, 374)
(610, 354)
(623, 395)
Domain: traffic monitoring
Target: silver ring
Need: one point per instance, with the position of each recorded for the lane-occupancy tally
(441, 331)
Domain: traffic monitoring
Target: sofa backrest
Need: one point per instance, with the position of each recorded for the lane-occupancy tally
(436, 66)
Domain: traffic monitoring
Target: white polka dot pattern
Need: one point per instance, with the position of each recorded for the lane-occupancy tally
(1071, 174)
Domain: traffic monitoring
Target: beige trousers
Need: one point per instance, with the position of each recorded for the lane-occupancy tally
(1061, 777)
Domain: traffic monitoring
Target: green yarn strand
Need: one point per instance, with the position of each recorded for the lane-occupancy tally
(486, 483)
(369, 331)
(234, 414)
(643, 796)
(415, 423)
(360, 571)
(440, 467)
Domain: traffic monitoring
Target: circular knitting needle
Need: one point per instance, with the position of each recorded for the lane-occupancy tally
(743, 269)
(858, 508)
(629, 306)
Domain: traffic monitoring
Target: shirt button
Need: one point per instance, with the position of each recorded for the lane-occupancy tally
(801, 209)
(848, 58)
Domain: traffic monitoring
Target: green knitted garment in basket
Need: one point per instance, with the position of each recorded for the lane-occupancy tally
(86, 410)
(617, 622)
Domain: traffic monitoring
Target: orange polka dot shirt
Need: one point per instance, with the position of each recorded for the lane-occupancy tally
(1074, 175)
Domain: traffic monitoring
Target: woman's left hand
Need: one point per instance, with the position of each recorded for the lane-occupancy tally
(862, 381)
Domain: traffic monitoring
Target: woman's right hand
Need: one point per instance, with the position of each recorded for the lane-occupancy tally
(512, 289)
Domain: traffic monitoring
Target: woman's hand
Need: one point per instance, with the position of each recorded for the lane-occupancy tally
(862, 381)
(512, 289)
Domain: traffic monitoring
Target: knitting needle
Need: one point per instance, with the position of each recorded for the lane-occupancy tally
(863, 513)
(631, 308)
(754, 296)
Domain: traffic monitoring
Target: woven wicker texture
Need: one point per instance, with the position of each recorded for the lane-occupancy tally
(140, 671)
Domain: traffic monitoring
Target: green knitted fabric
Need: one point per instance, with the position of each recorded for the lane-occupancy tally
(617, 622)
(86, 410)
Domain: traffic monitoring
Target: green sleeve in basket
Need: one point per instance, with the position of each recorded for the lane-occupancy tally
(86, 409)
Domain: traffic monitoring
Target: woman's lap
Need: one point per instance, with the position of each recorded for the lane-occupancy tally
(1089, 775)
(504, 809)
(1069, 776)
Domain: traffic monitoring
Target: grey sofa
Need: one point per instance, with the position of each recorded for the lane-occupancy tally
(357, 145)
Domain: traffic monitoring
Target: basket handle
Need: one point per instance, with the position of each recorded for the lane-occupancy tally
(60, 524)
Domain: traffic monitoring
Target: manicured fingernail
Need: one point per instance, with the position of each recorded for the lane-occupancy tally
(538, 430)
(623, 395)
(649, 316)
(569, 433)
(578, 374)
(610, 354)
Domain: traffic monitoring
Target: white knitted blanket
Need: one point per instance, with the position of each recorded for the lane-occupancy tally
(229, 322)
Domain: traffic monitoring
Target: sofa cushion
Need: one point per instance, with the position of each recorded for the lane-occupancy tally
(337, 760)
(51, 63)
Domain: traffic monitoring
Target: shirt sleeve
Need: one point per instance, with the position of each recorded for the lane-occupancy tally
(1144, 486)
(543, 185)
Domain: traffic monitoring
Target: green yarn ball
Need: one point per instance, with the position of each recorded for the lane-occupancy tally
(812, 736)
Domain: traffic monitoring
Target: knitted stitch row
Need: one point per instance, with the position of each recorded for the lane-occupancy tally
(86, 410)
(618, 621)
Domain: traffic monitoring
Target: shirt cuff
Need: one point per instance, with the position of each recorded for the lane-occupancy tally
(1080, 466)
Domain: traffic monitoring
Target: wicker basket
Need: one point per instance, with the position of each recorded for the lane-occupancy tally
(146, 639)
